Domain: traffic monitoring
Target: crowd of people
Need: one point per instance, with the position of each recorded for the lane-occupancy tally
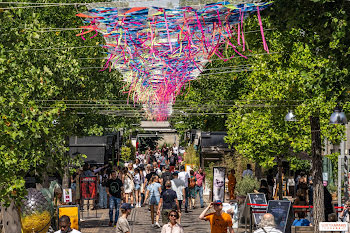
(156, 178)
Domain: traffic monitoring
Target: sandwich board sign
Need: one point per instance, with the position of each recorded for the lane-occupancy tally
(280, 211)
(257, 198)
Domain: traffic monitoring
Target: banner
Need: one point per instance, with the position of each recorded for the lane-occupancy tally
(88, 188)
(218, 184)
(333, 226)
(72, 211)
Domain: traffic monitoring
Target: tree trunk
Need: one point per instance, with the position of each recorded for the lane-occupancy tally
(316, 171)
(280, 181)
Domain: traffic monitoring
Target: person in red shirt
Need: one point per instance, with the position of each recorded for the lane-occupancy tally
(200, 184)
(219, 220)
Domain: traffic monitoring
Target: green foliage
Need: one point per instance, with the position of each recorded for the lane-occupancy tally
(42, 80)
(192, 156)
(125, 153)
(246, 185)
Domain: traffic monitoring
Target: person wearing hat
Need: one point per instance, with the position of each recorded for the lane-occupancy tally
(123, 224)
(219, 220)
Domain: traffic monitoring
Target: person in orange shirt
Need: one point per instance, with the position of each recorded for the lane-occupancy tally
(219, 220)
(231, 183)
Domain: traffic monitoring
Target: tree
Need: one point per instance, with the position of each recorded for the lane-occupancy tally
(306, 73)
(47, 94)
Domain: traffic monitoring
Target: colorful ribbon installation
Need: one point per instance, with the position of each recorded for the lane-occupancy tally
(159, 50)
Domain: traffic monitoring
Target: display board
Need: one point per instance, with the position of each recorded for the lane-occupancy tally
(72, 211)
(218, 189)
(257, 198)
(88, 186)
(280, 210)
(233, 210)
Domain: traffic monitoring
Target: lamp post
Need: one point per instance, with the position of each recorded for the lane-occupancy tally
(338, 117)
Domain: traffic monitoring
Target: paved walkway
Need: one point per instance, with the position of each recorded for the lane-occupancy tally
(140, 221)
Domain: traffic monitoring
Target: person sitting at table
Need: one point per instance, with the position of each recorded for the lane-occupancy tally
(301, 221)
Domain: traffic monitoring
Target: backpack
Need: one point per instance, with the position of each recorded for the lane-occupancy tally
(192, 183)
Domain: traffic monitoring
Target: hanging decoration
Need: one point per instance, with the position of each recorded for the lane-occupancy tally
(159, 50)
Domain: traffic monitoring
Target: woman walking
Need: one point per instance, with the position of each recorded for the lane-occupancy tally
(128, 182)
(137, 182)
(153, 192)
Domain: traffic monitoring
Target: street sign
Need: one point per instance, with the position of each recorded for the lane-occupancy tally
(67, 195)
(333, 226)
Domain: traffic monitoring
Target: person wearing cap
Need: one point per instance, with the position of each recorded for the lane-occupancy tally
(123, 224)
(219, 220)
(173, 226)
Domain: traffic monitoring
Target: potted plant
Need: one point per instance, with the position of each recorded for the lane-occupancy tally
(245, 185)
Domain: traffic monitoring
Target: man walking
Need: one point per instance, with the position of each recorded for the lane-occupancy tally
(114, 190)
(179, 187)
(185, 177)
(219, 220)
(200, 176)
(123, 224)
(168, 200)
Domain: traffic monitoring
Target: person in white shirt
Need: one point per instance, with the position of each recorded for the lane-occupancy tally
(64, 223)
(179, 187)
(248, 171)
(267, 225)
(173, 226)
(184, 176)
(175, 149)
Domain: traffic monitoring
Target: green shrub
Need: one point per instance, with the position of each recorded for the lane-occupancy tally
(246, 185)
(125, 153)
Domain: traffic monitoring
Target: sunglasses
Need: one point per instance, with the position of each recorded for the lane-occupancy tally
(173, 215)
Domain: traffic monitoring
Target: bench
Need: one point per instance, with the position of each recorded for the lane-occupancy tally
(308, 229)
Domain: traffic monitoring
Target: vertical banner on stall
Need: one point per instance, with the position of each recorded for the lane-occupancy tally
(218, 187)
(72, 211)
(88, 186)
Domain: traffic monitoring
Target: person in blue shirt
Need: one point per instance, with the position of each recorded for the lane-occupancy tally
(301, 221)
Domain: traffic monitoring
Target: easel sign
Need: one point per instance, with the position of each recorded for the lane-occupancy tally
(218, 187)
(257, 198)
(72, 211)
(280, 211)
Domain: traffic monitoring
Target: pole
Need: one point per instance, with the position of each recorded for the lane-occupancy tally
(342, 154)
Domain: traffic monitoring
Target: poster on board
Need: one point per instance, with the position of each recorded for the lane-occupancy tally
(280, 211)
(72, 211)
(88, 186)
(218, 184)
(233, 210)
(257, 198)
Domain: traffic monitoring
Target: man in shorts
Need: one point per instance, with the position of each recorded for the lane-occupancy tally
(168, 200)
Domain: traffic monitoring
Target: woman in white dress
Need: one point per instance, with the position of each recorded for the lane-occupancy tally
(128, 181)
